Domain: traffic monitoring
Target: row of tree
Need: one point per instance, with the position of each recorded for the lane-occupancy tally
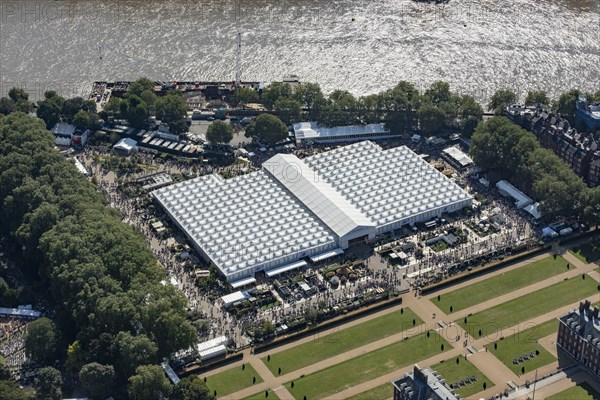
(504, 147)
(98, 272)
(140, 102)
(402, 108)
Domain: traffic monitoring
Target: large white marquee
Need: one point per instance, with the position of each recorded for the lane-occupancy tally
(295, 208)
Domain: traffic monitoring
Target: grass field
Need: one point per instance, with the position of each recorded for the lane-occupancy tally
(579, 392)
(528, 306)
(368, 366)
(341, 341)
(588, 252)
(383, 392)
(525, 342)
(500, 284)
(261, 396)
(452, 373)
(232, 380)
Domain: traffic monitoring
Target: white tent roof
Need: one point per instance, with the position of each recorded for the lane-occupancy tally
(64, 129)
(294, 208)
(312, 130)
(459, 156)
(242, 282)
(322, 199)
(533, 209)
(326, 255)
(126, 144)
(521, 200)
(232, 297)
(276, 271)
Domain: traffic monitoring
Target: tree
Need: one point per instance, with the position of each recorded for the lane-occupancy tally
(141, 85)
(399, 106)
(97, 380)
(11, 391)
(244, 95)
(566, 104)
(172, 110)
(76, 357)
(41, 340)
(191, 388)
(308, 95)
(172, 332)
(47, 384)
(274, 92)
(50, 108)
(536, 97)
(268, 129)
(82, 120)
(288, 110)
(135, 110)
(17, 94)
(431, 119)
(72, 106)
(501, 99)
(438, 92)
(469, 108)
(7, 106)
(219, 132)
(148, 383)
(112, 106)
(133, 351)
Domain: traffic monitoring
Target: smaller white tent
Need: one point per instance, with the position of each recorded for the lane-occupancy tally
(126, 145)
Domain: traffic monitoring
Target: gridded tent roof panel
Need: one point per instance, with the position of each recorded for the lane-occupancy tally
(245, 222)
(320, 197)
(312, 130)
(386, 186)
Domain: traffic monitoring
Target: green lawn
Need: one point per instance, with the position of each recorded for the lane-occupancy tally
(383, 392)
(528, 306)
(579, 392)
(232, 380)
(588, 252)
(368, 366)
(452, 373)
(500, 284)
(261, 396)
(525, 342)
(338, 342)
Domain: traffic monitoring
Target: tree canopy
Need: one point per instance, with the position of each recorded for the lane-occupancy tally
(47, 384)
(268, 129)
(171, 109)
(501, 99)
(41, 341)
(191, 388)
(97, 380)
(98, 272)
(148, 383)
(500, 145)
(219, 132)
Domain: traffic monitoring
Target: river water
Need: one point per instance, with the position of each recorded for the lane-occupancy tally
(361, 46)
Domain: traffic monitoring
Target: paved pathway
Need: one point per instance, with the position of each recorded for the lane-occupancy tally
(489, 365)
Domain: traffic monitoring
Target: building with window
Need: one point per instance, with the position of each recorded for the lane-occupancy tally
(295, 208)
(579, 150)
(579, 336)
(588, 113)
(422, 384)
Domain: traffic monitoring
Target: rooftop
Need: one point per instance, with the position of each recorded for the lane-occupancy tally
(311, 130)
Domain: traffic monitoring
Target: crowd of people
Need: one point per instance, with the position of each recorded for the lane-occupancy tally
(12, 338)
(379, 273)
